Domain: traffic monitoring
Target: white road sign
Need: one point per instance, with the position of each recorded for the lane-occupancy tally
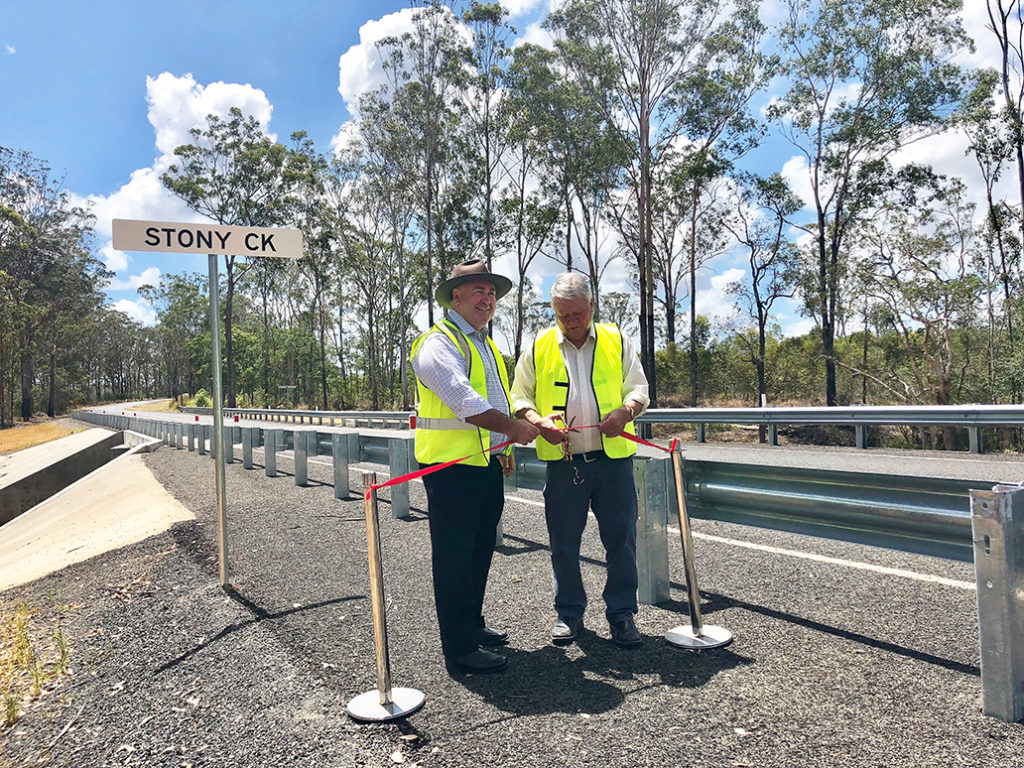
(170, 237)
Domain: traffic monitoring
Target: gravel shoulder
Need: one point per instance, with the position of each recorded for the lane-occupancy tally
(830, 666)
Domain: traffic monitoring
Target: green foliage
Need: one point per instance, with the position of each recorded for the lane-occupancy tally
(202, 399)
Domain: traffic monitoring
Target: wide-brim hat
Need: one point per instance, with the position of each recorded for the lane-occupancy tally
(474, 269)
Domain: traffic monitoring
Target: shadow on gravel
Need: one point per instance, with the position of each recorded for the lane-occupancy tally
(259, 614)
(721, 602)
(556, 679)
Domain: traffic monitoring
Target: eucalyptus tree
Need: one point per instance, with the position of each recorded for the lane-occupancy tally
(44, 249)
(992, 145)
(761, 209)
(483, 124)
(650, 49)
(426, 68)
(866, 78)
(918, 263)
(232, 173)
(384, 158)
(562, 134)
(1006, 22)
(182, 313)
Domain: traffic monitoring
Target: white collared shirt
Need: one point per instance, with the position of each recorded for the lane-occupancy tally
(442, 369)
(581, 406)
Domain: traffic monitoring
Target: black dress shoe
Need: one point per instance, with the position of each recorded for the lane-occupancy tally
(565, 630)
(478, 661)
(624, 633)
(491, 637)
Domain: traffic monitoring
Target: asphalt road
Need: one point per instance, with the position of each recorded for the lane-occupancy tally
(843, 654)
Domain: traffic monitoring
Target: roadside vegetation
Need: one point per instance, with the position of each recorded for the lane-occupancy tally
(27, 435)
(34, 656)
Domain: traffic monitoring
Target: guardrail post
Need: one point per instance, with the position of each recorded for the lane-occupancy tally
(861, 435)
(201, 438)
(653, 484)
(247, 440)
(997, 522)
(190, 436)
(702, 433)
(773, 434)
(355, 450)
(179, 436)
(400, 455)
(974, 436)
(299, 443)
(271, 441)
(312, 444)
(339, 454)
(229, 445)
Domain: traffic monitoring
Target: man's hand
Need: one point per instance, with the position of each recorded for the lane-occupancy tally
(508, 464)
(613, 424)
(550, 430)
(522, 432)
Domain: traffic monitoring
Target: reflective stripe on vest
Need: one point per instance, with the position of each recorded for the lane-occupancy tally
(440, 435)
(553, 383)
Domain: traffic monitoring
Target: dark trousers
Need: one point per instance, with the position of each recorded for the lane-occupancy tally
(464, 504)
(570, 489)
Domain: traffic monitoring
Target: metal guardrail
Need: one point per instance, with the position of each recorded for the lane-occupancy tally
(371, 419)
(970, 417)
(948, 518)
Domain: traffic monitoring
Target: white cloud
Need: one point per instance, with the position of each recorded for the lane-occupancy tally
(537, 35)
(150, 276)
(797, 327)
(361, 67)
(520, 7)
(10, 49)
(136, 310)
(115, 260)
(178, 104)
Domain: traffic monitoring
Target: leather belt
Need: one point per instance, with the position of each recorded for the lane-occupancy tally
(590, 456)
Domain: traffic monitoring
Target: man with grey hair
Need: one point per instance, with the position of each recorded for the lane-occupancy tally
(581, 384)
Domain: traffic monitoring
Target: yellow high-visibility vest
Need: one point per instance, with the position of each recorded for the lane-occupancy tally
(552, 392)
(440, 436)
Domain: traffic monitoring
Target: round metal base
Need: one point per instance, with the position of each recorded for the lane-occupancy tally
(710, 637)
(367, 706)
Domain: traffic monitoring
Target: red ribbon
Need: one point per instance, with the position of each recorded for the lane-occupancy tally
(431, 469)
(438, 467)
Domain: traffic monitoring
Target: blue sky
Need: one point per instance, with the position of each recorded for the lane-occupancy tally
(104, 90)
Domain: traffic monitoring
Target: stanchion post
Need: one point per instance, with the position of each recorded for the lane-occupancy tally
(695, 636)
(385, 703)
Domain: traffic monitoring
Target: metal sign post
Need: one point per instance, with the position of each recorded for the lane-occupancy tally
(213, 240)
(385, 703)
(696, 635)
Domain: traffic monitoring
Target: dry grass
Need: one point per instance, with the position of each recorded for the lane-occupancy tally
(33, 658)
(25, 436)
(160, 406)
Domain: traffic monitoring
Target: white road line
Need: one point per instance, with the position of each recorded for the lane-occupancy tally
(899, 572)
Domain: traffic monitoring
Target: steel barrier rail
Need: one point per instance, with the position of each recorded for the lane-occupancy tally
(970, 417)
(932, 516)
(925, 515)
(391, 419)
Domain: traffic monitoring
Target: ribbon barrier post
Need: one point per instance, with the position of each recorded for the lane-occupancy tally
(385, 703)
(694, 636)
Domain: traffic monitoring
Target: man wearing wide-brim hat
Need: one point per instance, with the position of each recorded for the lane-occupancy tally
(464, 411)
